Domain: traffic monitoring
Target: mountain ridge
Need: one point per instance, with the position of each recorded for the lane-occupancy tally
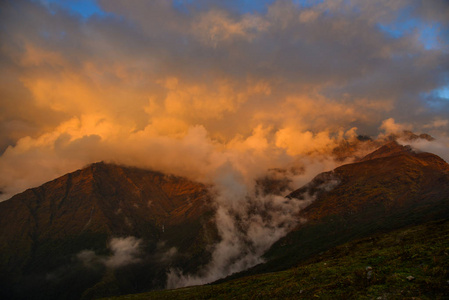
(171, 220)
(378, 194)
(44, 229)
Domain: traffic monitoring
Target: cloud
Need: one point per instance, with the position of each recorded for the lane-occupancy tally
(248, 223)
(437, 123)
(389, 126)
(64, 66)
(297, 142)
(440, 146)
(193, 154)
(216, 26)
(125, 251)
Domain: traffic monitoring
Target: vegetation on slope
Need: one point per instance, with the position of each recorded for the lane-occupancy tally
(411, 262)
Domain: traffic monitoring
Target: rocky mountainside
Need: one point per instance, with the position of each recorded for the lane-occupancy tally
(388, 189)
(43, 230)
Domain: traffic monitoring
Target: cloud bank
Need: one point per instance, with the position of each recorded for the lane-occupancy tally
(159, 83)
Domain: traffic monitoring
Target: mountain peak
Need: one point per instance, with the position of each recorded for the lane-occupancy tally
(356, 148)
(390, 176)
(389, 149)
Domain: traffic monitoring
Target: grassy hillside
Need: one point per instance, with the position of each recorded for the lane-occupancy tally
(377, 267)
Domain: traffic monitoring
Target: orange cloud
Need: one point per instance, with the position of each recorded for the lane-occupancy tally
(254, 90)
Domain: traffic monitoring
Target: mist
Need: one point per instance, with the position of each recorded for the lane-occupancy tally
(248, 223)
(124, 251)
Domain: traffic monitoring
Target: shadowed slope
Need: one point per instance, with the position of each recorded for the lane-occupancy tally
(44, 228)
(377, 267)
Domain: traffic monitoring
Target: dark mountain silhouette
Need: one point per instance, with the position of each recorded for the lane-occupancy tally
(43, 229)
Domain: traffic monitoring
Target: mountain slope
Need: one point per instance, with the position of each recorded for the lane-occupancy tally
(391, 177)
(388, 189)
(376, 267)
(42, 230)
(109, 230)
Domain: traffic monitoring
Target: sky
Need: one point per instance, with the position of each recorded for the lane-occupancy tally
(190, 87)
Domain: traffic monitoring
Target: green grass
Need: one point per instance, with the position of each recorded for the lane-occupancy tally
(340, 273)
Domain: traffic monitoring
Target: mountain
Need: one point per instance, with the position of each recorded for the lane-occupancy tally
(378, 229)
(390, 179)
(409, 263)
(108, 230)
(361, 145)
(387, 189)
(104, 212)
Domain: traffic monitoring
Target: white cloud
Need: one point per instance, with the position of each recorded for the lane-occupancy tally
(125, 251)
